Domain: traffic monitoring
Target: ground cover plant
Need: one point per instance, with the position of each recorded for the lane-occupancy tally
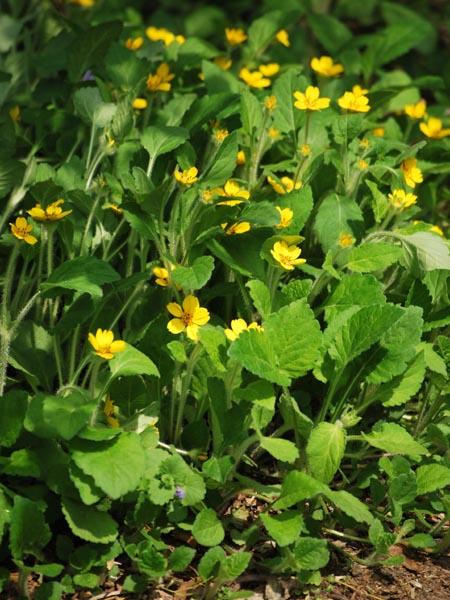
(225, 304)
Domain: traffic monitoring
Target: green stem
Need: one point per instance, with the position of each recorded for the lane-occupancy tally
(7, 284)
(91, 147)
(192, 360)
(329, 397)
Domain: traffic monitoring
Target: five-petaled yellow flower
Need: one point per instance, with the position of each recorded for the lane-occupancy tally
(326, 66)
(363, 164)
(346, 240)
(220, 134)
(286, 216)
(240, 158)
(223, 62)
(238, 326)
(254, 78)
(400, 199)
(231, 189)
(417, 110)
(310, 100)
(236, 228)
(355, 100)
(287, 256)
(53, 212)
(104, 344)
(160, 81)
(411, 172)
(21, 229)
(188, 317)
(270, 102)
(139, 103)
(162, 34)
(273, 132)
(284, 185)
(186, 177)
(282, 36)
(161, 276)
(270, 69)
(305, 150)
(378, 132)
(235, 36)
(134, 43)
(84, 3)
(433, 129)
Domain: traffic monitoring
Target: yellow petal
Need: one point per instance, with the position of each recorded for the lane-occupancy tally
(190, 304)
(117, 346)
(175, 326)
(201, 316)
(192, 332)
(175, 309)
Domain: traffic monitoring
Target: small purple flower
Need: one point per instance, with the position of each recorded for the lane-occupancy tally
(180, 493)
(88, 76)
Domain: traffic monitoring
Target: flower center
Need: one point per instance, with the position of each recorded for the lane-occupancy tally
(187, 318)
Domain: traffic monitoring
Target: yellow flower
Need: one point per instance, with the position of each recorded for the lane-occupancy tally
(84, 3)
(236, 228)
(270, 102)
(53, 212)
(310, 100)
(235, 36)
(433, 129)
(134, 43)
(115, 208)
(240, 158)
(378, 132)
(273, 132)
(160, 81)
(270, 69)
(357, 90)
(286, 216)
(109, 410)
(326, 66)
(186, 177)
(139, 103)
(282, 36)
(14, 113)
(417, 110)
(305, 150)
(104, 344)
(354, 102)
(162, 276)
(346, 240)
(162, 34)
(362, 164)
(21, 230)
(231, 189)
(220, 134)
(437, 229)
(364, 143)
(411, 172)
(287, 256)
(284, 185)
(223, 62)
(254, 78)
(238, 326)
(400, 200)
(190, 316)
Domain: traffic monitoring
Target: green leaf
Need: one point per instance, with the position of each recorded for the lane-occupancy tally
(207, 529)
(217, 80)
(88, 523)
(90, 106)
(181, 558)
(379, 202)
(214, 342)
(209, 561)
(162, 139)
(124, 67)
(13, 406)
(232, 566)
(191, 481)
(331, 33)
(284, 528)
(431, 478)
(260, 295)
(325, 450)
(195, 276)
(11, 173)
(373, 257)
(116, 466)
(354, 289)
(351, 506)
(391, 437)
(311, 553)
(301, 203)
(280, 449)
(430, 251)
(421, 540)
(224, 162)
(251, 115)
(132, 362)
(286, 116)
(29, 532)
(361, 330)
(211, 107)
(289, 346)
(262, 31)
(83, 274)
(298, 486)
(337, 215)
(403, 388)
